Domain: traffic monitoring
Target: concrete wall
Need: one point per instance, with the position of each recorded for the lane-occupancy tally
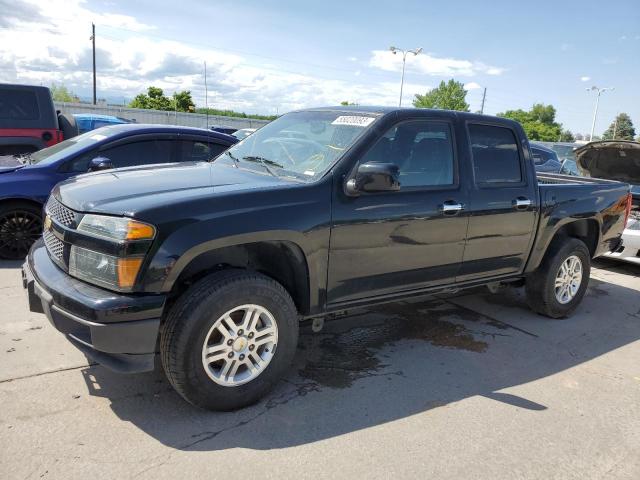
(159, 116)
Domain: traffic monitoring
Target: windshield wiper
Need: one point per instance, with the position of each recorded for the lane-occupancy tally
(24, 158)
(233, 157)
(265, 162)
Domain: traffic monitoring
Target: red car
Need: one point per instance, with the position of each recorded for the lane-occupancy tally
(29, 121)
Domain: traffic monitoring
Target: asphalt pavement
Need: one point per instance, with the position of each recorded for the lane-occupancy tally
(469, 386)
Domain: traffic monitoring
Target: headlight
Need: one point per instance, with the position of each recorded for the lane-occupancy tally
(115, 273)
(116, 228)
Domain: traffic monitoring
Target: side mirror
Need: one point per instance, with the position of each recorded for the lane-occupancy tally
(374, 177)
(99, 163)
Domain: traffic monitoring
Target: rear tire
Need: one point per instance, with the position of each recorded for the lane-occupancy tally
(20, 227)
(554, 292)
(192, 322)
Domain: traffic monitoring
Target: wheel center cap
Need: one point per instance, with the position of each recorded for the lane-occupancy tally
(240, 344)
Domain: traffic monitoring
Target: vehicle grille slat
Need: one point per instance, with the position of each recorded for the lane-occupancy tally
(54, 245)
(61, 214)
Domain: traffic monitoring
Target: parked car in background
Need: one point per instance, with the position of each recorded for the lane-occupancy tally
(216, 263)
(223, 129)
(29, 121)
(26, 181)
(90, 121)
(564, 150)
(617, 160)
(545, 159)
(243, 133)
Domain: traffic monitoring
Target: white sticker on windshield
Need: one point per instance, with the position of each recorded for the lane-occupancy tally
(97, 137)
(310, 173)
(353, 120)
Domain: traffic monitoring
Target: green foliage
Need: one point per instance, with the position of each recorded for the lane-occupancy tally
(538, 123)
(447, 96)
(183, 101)
(155, 99)
(622, 126)
(232, 113)
(567, 136)
(347, 103)
(60, 93)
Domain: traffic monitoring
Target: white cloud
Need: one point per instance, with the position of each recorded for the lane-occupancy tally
(42, 46)
(352, 59)
(430, 65)
(471, 86)
(585, 79)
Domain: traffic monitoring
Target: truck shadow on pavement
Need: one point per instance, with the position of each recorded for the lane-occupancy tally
(386, 364)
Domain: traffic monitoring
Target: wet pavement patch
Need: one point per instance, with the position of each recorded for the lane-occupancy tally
(348, 348)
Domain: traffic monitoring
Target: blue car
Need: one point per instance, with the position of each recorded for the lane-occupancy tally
(90, 121)
(545, 159)
(26, 180)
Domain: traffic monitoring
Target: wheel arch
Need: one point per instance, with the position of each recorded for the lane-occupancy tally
(282, 260)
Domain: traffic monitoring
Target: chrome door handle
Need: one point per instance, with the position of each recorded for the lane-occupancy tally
(451, 208)
(521, 203)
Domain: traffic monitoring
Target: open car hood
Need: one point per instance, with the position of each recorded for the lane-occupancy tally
(611, 160)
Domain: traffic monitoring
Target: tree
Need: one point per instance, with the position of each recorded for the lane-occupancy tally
(447, 96)
(620, 129)
(183, 101)
(538, 123)
(567, 136)
(155, 99)
(347, 103)
(60, 93)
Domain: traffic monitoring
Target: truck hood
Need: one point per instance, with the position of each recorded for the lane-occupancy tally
(130, 190)
(611, 160)
(9, 163)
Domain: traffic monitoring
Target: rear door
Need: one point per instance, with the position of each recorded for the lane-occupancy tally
(503, 203)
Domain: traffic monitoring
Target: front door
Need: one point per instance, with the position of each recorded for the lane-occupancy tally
(390, 242)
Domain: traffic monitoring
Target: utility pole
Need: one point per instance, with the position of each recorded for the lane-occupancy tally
(395, 50)
(484, 94)
(595, 111)
(615, 127)
(206, 94)
(93, 41)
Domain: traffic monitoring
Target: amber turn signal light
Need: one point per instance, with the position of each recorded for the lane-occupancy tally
(128, 269)
(139, 231)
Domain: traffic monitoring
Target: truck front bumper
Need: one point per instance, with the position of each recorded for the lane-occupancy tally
(119, 331)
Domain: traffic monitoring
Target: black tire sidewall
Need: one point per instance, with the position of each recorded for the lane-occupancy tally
(571, 247)
(200, 389)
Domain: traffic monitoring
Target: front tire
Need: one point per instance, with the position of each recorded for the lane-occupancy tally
(228, 339)
(20, 226)
(556, 288)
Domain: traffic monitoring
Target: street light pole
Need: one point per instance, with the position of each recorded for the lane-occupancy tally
(93, 42)
(595, 111)
(395, 50)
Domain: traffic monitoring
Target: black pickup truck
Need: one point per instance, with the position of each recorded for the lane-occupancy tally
(213, 264)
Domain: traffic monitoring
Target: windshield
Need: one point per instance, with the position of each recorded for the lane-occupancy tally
(72, 145)
(301, 145)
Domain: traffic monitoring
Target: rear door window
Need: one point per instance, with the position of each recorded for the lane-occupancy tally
(496, 158)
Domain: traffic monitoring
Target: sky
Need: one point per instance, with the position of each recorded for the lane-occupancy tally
(275, 56)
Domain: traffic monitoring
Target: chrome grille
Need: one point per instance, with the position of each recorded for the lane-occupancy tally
(54, 245)
(60, 213)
